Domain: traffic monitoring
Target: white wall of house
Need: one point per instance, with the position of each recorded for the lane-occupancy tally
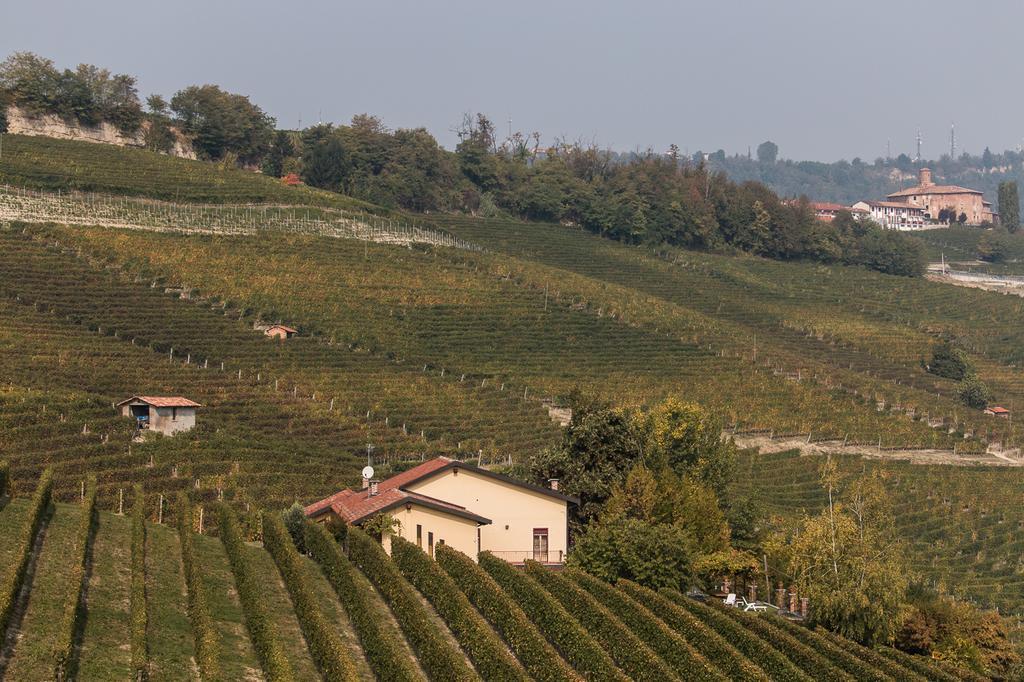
(456, 532)
(515, 512)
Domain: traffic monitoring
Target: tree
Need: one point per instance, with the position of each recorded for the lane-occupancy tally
(849, 559)
(324, 163)
(157, 105)
(281, 149)
(949, 361)
(295, 521)
(962, 219)
(1009, 206)
(994, 246)
(32, 82)
(973, 392)
(687, 439)
(767, 152)
(223, 123)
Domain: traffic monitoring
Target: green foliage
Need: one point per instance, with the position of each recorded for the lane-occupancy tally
(325, 644)
(206, 640)
(960, 634)
(994, 246)
(673, 649)
(138, 618)
(631, 654)
(1009, 206)
(771, 660)
(323, 161)
(5, 477)
(281, 150)
(250, 593)
(848, 656)
(223, 123)
(539, 659)
(849, 559)
(10, 582)
(973, 392)
(917, 665)
(687, 438)
(294, 519)
(383, 652)
(439, 659)
(74, 604)
(478, 640)
(575, 644)
(810, 661)
(950, 362)
(712, 645)
(380, 525)
(158, 136)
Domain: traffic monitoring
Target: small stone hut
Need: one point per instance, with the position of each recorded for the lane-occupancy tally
(163, 414)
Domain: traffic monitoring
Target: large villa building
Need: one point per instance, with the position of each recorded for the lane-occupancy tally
(445, 501)
(921, 207)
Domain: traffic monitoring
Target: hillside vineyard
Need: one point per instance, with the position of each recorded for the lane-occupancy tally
(403, 338)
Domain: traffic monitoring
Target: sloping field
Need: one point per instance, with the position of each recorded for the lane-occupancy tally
(470, 622)
(963, 526)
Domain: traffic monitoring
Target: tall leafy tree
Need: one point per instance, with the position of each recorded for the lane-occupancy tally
(1009, 206)
(767, 152)
(222, 122)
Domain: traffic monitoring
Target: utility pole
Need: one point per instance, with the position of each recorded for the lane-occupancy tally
(952, 141)
(918, 159)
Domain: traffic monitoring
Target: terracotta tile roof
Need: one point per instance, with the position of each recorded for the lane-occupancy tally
(894, 204)
(353, 507)
(934, 189)
(284, 327)
(828, 206)
(998, 410)
(162, 401)
(418, 471)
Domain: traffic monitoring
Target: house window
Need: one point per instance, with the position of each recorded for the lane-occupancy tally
(540, 544)
(419, 536)
(430, 544)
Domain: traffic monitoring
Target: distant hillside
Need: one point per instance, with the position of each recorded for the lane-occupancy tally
(847, 182)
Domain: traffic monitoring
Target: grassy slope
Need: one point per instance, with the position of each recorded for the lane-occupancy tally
(169, 635)
(33, 657)
(106, 650)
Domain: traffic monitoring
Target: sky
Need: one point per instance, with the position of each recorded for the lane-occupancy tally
(824, 80)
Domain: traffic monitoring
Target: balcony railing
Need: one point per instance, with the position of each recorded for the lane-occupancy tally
(518, 557)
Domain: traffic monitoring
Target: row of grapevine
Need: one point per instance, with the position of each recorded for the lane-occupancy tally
(11, 581)
(139, 619)
(73, 606)
(206, 641)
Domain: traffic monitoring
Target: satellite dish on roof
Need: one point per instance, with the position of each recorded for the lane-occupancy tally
(367, 472)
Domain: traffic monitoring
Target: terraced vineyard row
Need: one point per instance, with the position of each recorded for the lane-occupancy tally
(477, 316)
(286, 420)
(351, 613)
(963, 526)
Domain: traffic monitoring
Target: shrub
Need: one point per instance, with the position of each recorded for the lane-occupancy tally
(64, 660)
(704, 639)
(327, 647)
(440, 660)
(771, 660)
(476, 637)
(250, 594)
(973, 392)
(538, 657)
(631, 654)
(10, 582)
(5, 477)
(383, 651)
(293, 520)
(138, 615)
(207, 643)
(949, 361)
(553, 620)
(672, 648)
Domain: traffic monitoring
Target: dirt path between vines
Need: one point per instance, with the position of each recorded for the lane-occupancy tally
(766, 444)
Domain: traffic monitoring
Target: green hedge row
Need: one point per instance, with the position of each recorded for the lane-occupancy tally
(383, 651)
(553, 620)
(539, 658)
(207, 642)
(330, 652)
(630, 652)
(712, 645)
(5, 477)
(917, 664)
(856, 665)
(809, 660)
(250, 593)
(10, 583)
(763, 653)
(139, 619)
(673, 649)
(64, 658)
(893, 669)
(439, 658)
(477, 638)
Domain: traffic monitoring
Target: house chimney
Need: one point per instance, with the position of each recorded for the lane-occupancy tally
(925, 177)
(373, 488)
(553, 482)
(366, 483)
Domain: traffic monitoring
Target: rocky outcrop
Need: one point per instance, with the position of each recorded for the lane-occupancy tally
(51, 125)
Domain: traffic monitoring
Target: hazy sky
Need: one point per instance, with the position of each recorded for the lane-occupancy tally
(823, 79)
